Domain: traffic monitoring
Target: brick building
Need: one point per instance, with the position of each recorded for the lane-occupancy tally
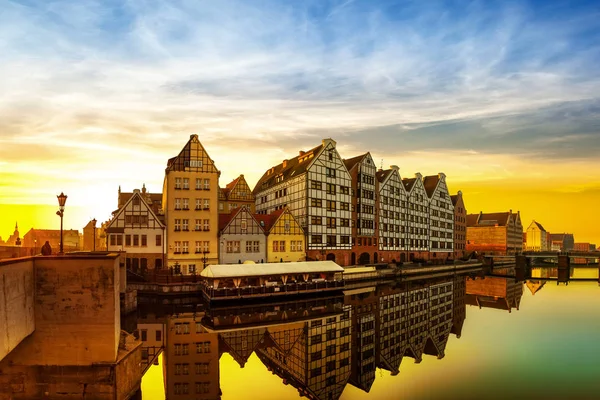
(495, 233)
(460, 225)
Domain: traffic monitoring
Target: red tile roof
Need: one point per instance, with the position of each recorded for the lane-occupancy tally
(354, 161)
(293, 168)
(430, 182)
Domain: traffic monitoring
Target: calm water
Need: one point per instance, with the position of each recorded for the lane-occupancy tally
(454, 338)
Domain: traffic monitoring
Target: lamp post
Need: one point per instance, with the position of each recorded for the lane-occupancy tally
(94, 223)
(62, 199)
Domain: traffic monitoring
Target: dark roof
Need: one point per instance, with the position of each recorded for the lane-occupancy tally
(227, 189)
(382, 174)
(409, 183)
(268, 220)
(430, 182)
(292, 169)
(500, 219)
(540, 227)
(154, 197)
(472, 219)
(352, 162)
(559, 236)
(225, 219)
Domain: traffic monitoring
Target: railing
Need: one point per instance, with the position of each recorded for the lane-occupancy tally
(290, 288)
(160, 276)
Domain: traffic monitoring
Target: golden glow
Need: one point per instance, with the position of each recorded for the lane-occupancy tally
(153, 387)
(562, 196)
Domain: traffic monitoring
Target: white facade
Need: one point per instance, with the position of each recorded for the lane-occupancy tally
(417, 228)
(392, 212)
(136, 230)
(366, 191)
(537, 238)
(441, 218)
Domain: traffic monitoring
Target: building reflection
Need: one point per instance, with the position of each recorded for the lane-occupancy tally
(316, 346)
(497, 292)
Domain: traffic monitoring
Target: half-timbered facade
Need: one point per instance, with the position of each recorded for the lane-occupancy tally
(190, 201)
(417, 226)
(364, 209)
(241, 238)
(136, 230)
(315, 186)
(236, 194)
(285, 236)
(392, 203)
(441, 217)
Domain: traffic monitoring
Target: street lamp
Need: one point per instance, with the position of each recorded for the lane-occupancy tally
(62, 199)
(94, 223)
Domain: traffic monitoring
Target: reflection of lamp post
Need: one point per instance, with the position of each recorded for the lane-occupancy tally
(94, 223)
(34, 246)
(62, 199)
(204, 258)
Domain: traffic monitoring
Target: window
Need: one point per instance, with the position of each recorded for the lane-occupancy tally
(330, 205)
(331, 240)
(206, 204)
(177, 183)
(331, 222)
(202, 387)
(344, 190)
(177, 247)
(198, 204)
(119, 240)
(158, 240)
(196, 163)
(206, 184)
(136, 240)
(198, 223)
(316, 239)
(206, 224)
(144, 335)
(296, 245)
(186, 204)
(330, 188)
(144, 240)
(345, 206)
(316, 185)
(244, 225)
(127, 240)
(345, 239)
(192, 268)
(177, 224)
(233, 246)
(178, 204)
(186, 183)
(316, 203)
(201, 368)
(198, 183)
(315, 372)
(330, 172)
(316, 220)
(345, 222)
(185, 246)
(205, 246)
(185, 224)
(282, 245)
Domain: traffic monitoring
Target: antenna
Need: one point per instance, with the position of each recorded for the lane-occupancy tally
(382, 163)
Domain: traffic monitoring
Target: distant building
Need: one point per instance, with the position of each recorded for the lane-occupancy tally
(562, 241)
(592, 247)
(417, 229)
(190, 202)
(241, 238)
(236, 194)
(91, 240)
(460, 225)
(495, 233)
(15, 238)
(537, 237)
(584, 247)
(136, 230)
(36, 238)
(392, 215)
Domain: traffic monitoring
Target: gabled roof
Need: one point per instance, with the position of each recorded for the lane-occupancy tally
(267, 221)
(430, 183)
(456, 197)
(382, 174)
(472, 219)
(293, 168)
(354, 161)
(118, 212)
(409, 183)
(225, 219)
(539, 226)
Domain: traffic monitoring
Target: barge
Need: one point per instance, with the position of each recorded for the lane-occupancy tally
(254, 281)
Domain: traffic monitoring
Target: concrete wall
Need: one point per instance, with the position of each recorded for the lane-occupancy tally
(16, 303)
(77, 312)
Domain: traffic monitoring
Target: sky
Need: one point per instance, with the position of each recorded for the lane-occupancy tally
(502, 96)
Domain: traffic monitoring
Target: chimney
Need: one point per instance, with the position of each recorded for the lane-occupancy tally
(144, 188)
(302, 152)
(285, 163)
(460, 192)
(395, 167)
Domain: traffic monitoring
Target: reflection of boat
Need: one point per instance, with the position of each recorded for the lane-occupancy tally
(247, 281)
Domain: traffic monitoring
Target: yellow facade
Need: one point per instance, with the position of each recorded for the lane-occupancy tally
(236, 194)
(285, 240)
(190, 202)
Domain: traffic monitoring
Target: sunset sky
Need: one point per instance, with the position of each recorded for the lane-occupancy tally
(504, 97)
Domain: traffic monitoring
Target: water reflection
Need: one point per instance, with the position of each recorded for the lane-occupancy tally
(496, 292)
(316, 346)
